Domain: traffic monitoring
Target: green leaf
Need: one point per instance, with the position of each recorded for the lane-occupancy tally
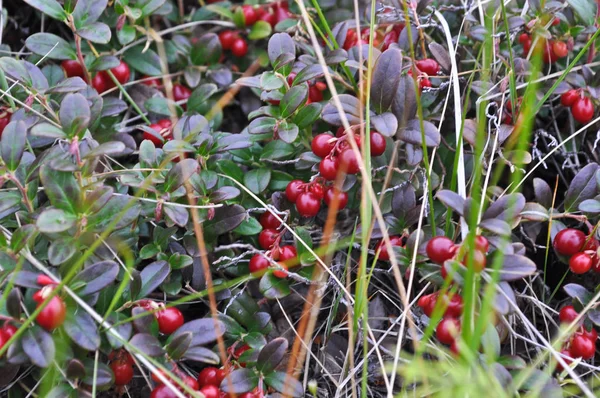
(585, 10)
(82, 329)
(277, 150)
(271, 355)
(146, 62)
(260, 30)
(178, 261)
(207, 50)
(288, 132)
(152, 276)
(282, 382)
(273, 287)
(62, 189)
(262, 125)
(75, 114)
(308, 115)
(178, 346)
(38, 346)
(249, 227)
(51, 46)
(10, 203)
(231, 169)
(55, 220)
(238, 18)
(179, 174)
(223, 11)
(126, 35)
(257, 180)
(49, 7)
(87, 12)
(97, 32)
(240, 381)
(12, 144)
(149, 6)
(292, 100)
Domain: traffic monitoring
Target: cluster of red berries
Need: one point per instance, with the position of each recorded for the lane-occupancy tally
(269, 239)
(553, 49)
(308, 195)
(5, 116)
(272, 13)
(180, 92)
(582, 343)
(581, 106)
(231, 41)
(102, 81)
(449, 327)
(426, 67)
(121, 363)
(163, 391)
(581, 250)
(440, 249)
(336, 151)
(315, 90)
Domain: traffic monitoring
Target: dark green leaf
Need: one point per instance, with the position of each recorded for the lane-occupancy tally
(578, 292)
(280, 43)
(180, 174)
(307, 73)
(285, 383)
(262, 125)
(582, 187)
(61, 250)
(147, 344)
(98, 374)
(74, 114)
(271, 355)
(39, 346)
(88, 11)
(249, 227)
(146, 62)
(82, 329)
(257, 180)
(10, 203)
(240, 381)
(277, 150)
(273, 287)
(516, 267)
(51, 46)
(178, 346)
(49, 7)
(97, 277)
(124, 329)
(22, 236)
(288, 132)
(55, 220)
(585, 9)
(201, 354)
(204, 331)
(227, 218)
(152, 276)
(386, 79)
(308, 115)
(295, 97)
(207, 50)
(149, 6)
(12, 144)
(96, 32)
(62, 189)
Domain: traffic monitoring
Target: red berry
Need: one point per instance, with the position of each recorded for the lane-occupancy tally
(440, 249)
(555, 21)
(525, 40)
(169, 320)
(268, 220)
(559, 48)
(308, 204)
(181, 92)
(270, 18)
(8, 331)
(267, 238)
(351, 39)
(583, 109)
(479, 260)
(447, 330)
(211, 376)
(44, 280)
(250, 15)
(54, 313)
(349, 162)
(154, 138)
(4, 120)
(318, 190)
(381, 247)
(190, 382)
(378, 143)
(454, 305)
(239, 48)
(569, 241)
(121, 72)
(281, 14)
(227, 37)
(428, 66)
(567, 314)
(258, 263)
(293, 189)
(151, 81)
(582, 346)
(99, 82)
(342, 197)
(424, 301)
(240, 350)
(390, 38)
(287, 253)
(580, 263)
(73, 69)
(322, 145)
(210, 391)
(165, 123)
(328, 168)
(559, 367)
(123, 372)
(163, 391)
(424, 83)
(482, 244)
(281, 273)
(314, 94)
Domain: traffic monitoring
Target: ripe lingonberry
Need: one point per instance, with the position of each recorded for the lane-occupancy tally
(159, 128)
(378, 143)
(190, 382)
(181, 92)
(328, 168)
(429, 66)
(381, 247)
(479, 260)
(351, 39)
(45, 280)
(287, 252)
(163, 391)
(349, 162)
(331, 193)
(269, 18)
(54, 313)
(568, 361)
(567, 314)
(293, 189)
(73, 68)
(240, 350)
(121, 72)
(308, 204)
(454, 305)
(318, 190)
(582, 346)
(447, 330)
(568, 98)
(322, 145)
(211, 376)
(583, 110)
(210, 392)
(440, 249)
(123, 372)
(239, 48)
(250, 15)
(258, 264)
(267, 238)
(99, 82)
(559, 48)
(482, 244)
(5, 117)
(525, 40)
(314, 94)
(569, 241)
(169, 320)
(151, 81)
(227, 37)
(268, 220)
(8, 330)
(580, 263)
(390, 38)
(281, 273)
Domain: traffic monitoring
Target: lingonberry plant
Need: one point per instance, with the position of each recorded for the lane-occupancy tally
(271, 198)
